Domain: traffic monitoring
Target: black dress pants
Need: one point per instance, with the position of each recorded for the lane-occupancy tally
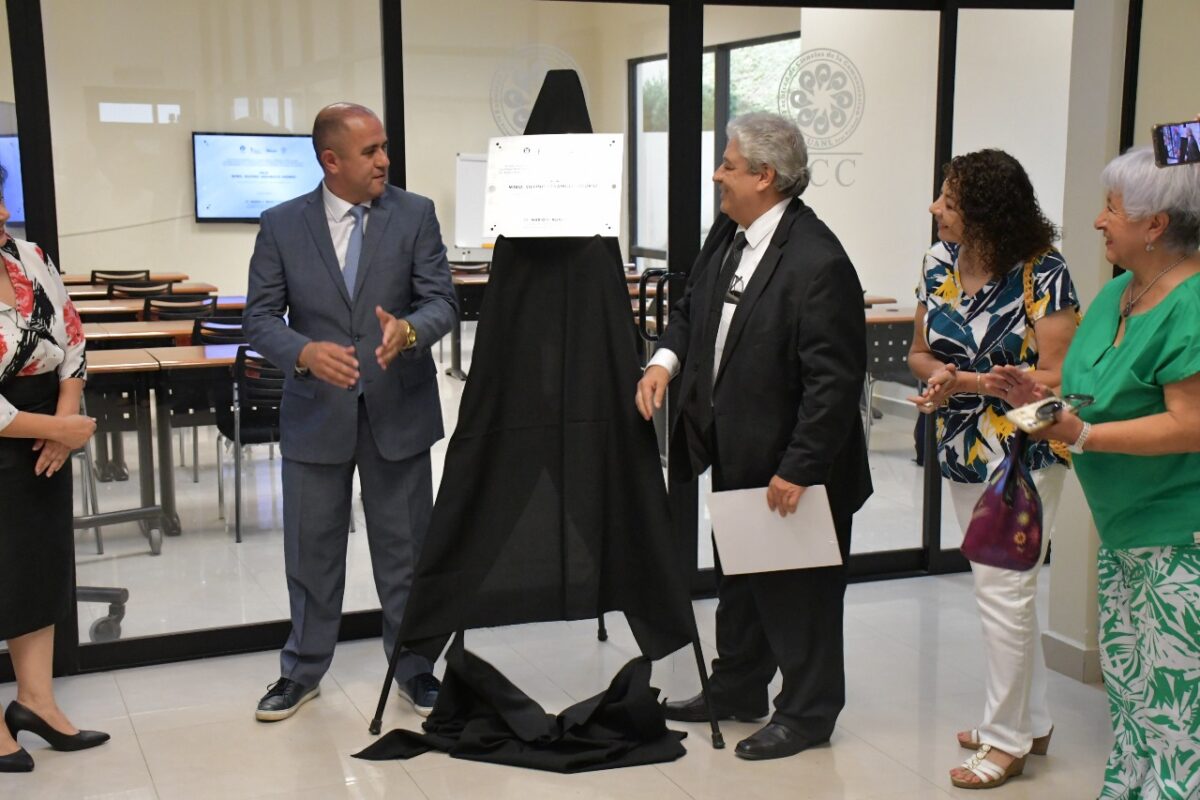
(789, 620)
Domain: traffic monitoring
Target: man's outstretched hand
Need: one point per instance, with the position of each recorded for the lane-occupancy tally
(395, 336)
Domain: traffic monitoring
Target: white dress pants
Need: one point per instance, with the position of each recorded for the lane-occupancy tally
(1015, 711)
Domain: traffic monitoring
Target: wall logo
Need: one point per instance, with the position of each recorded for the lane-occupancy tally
(823, 92)
(518, 80)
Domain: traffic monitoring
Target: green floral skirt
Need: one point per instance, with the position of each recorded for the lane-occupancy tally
(1150, 654)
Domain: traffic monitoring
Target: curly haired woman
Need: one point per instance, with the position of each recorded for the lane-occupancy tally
(994, 293)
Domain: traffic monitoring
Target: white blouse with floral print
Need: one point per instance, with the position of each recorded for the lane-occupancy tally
(43, 332)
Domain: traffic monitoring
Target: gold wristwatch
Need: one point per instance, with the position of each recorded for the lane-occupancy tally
(411, 341)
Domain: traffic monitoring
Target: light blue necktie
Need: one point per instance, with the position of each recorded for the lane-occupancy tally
(353, 248)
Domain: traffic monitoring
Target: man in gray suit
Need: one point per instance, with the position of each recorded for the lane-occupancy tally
(360, 270)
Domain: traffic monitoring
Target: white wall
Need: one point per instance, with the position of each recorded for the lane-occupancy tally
(1012, 80)
(881, 217)
(125, 191)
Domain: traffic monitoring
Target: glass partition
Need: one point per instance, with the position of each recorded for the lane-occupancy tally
(128, 85)
(1005, 99)
(862, 86)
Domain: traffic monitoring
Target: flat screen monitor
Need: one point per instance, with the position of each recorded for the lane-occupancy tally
(14, 190)
(239, 175)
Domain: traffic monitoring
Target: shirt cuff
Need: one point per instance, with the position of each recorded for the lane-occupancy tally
(8, 412)
(667, 360)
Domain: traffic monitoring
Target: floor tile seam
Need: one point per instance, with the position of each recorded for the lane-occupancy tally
(570, 694)
(137, 738)
(658, 768)
(885, 755)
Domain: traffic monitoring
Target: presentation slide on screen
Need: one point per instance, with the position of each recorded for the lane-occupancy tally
(14, 191)
(240, 176)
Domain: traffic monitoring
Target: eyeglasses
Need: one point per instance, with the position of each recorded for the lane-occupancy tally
(1048, 412)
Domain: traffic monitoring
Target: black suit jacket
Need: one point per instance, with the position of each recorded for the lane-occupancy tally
(786, 399)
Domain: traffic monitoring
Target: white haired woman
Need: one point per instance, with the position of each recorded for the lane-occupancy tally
(1138, 354)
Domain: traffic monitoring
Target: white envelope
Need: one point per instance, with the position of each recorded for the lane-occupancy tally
(752, 538)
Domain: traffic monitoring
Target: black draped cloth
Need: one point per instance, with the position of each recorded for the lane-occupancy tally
(481, 716)
(552, 503)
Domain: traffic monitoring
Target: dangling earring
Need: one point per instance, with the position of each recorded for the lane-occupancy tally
(1149, 247)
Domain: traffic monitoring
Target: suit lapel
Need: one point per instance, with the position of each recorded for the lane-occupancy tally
(318, 226)
(377, 222)
(758, 282)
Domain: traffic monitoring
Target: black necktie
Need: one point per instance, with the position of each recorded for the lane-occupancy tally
(725, 277)
(699, 410)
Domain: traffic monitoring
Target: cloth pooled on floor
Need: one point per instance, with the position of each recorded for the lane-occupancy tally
(481, 716)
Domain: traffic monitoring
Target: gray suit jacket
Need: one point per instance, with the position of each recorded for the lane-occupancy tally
(403, 268)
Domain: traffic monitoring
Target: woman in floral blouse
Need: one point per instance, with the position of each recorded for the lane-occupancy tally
(994, 294)
(41, 379)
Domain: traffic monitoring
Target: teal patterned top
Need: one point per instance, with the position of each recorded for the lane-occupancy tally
(976, 333)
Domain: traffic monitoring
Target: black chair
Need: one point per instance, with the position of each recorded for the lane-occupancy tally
(887, 360)
(119, 275)
(218, 330)
(128, 289)
(257, 394)
(179, 306)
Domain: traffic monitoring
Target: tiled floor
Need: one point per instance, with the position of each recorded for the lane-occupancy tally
(913, 660)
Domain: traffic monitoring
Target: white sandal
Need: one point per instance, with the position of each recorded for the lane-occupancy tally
(1040, 746)
(989, 773)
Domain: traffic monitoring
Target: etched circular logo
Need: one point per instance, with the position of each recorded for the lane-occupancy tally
(517, 81)
(823, 92)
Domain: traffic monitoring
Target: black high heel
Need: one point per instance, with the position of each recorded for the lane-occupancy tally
(19, 761)
(20, 718)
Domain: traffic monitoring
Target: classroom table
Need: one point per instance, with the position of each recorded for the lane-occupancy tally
(189, 357)
(99, 291)
(132, 307)
(178, 331)
(134, 368)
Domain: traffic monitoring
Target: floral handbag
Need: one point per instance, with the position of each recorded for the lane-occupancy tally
(1006, 528)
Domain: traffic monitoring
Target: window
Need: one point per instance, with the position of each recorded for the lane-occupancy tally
(746, 73)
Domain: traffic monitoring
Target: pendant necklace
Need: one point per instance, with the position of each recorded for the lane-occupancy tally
(1132, 301)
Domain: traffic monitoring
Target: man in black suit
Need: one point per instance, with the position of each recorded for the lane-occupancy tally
(769, 346)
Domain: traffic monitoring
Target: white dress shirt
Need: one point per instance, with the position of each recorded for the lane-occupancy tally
(758, 238)
(337, 214)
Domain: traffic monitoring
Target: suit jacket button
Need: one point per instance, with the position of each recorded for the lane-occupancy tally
(358, 337)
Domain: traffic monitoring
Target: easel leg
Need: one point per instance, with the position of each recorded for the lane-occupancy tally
(377, 723)
(718, 741)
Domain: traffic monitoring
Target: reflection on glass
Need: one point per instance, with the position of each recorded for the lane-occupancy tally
(651, 107)
(846, 81)
(754, 74)
(128, 85)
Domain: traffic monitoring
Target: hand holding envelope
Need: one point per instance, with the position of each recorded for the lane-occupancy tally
(750, 537)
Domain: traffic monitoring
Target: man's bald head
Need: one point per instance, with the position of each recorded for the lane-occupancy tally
(330, 124)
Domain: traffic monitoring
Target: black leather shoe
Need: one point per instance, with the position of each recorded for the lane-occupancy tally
(694, 709)
(422, 691)
(283, 699)
(19, 761)
(771, 741)
(20, 718)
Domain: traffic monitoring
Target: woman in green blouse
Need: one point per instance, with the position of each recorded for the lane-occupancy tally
(1137, 353)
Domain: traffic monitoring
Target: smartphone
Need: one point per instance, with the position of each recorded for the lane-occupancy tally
(1176, 143)
(1036, 415)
